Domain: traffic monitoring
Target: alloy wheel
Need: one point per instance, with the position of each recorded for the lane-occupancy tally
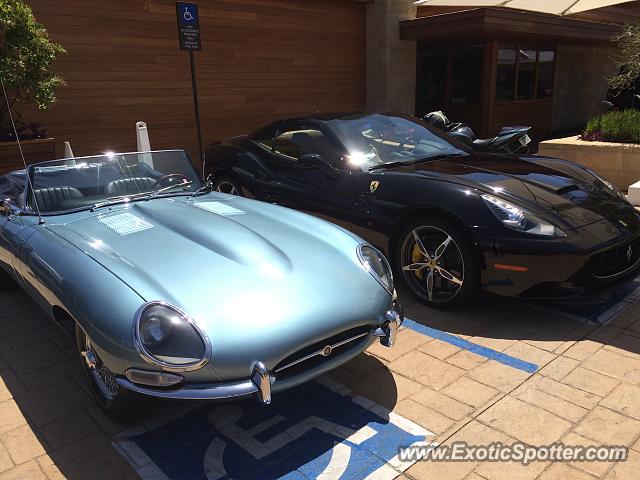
(432, 264)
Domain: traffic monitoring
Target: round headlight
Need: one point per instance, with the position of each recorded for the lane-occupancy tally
(377, 265)
(167, 337)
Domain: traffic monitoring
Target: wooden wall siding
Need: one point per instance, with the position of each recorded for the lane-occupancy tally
(261, 60)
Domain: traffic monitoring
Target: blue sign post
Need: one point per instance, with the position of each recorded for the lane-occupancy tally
(189, 35)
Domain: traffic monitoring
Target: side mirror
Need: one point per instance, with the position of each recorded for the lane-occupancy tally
(313, 160)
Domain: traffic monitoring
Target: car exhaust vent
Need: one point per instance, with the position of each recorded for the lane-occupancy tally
(218, 208)
(125, 224)
(567, 189)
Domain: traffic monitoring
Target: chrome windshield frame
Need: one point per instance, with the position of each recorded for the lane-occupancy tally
(29, 178)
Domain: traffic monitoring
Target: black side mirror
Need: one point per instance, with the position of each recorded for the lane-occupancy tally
(313, 160)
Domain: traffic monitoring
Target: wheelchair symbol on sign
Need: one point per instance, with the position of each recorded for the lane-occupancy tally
(188, 17)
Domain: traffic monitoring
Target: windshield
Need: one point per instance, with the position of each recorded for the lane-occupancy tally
(83, 182)
(380, 139)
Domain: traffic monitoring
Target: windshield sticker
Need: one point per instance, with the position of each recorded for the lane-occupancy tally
(125, 224)
(218, 208)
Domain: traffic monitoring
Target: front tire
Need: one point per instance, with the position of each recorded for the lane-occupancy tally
(227, 185)
(6, 282)
(435, 260)
(113, 399)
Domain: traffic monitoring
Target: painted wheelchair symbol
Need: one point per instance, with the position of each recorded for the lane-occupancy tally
(188, 17)
(226, 420)
(334, 436)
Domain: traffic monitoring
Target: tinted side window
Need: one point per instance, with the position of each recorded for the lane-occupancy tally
(294, 142)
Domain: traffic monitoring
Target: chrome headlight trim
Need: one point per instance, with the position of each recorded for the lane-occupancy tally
(390, 289)
(541, 228)
(151, 359)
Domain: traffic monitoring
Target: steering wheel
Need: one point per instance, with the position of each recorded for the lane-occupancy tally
(169, 180)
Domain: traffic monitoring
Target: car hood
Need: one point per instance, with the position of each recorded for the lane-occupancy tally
(541, 184)
(256, 277)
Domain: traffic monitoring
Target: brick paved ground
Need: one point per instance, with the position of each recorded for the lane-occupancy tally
(586, 392)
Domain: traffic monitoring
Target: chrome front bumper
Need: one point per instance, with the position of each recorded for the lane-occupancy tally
(261, 380)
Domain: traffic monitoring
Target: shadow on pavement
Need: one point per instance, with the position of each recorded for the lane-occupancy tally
(550, 322)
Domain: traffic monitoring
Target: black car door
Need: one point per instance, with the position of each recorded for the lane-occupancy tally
(325, 189)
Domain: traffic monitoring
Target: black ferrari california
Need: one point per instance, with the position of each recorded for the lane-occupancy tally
(450, 220)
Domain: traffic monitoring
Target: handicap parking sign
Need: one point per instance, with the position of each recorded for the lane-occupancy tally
(188, 25)
(316, 431)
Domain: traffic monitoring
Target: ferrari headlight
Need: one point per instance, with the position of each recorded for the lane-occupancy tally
(518, 219)
(167, 337)
(377, 265)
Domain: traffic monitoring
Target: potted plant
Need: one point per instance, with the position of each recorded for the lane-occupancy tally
(26, 56)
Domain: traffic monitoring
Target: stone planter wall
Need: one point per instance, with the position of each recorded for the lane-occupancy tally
(34, 151)
(617, 162)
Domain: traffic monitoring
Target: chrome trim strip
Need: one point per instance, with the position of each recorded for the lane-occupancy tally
(149, 358)
(217, 392)
(321, 352)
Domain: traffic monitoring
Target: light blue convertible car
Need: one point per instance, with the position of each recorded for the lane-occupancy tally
(175, 291)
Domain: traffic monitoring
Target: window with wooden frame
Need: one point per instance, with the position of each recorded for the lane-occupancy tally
(448, 76)
(524, 73)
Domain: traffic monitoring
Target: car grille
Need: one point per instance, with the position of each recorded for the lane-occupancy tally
(616, 260)
(310, 357)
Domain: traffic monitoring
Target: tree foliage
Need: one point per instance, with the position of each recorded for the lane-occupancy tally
(629, 58)
(26, 57)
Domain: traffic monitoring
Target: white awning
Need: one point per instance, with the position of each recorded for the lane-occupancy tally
(557, 7)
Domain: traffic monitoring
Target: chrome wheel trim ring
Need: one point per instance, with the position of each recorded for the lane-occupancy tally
(103, 378)
(228, 188)
(427, 265)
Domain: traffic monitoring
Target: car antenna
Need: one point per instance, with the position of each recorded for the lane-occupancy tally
(24, 162)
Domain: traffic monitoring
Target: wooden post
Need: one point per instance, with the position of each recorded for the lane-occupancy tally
(488, 93)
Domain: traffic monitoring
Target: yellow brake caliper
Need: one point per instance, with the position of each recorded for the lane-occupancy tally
(416, 257)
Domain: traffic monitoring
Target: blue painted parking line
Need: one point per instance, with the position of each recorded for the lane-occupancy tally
(499, 357)
(316, 431)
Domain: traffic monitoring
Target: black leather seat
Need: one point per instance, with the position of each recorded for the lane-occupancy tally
(49, 198)
(482, 144)
(127, 186)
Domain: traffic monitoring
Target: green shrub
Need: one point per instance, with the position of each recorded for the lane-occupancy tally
(26, 58)
(619, 127)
